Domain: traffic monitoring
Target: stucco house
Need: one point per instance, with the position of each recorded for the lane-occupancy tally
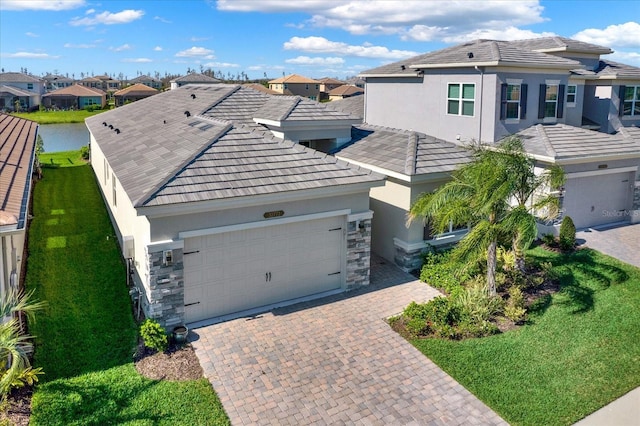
(551, 92)
(154, 83)
(295, 84)
(133, 93)
(17, 153)
(76, 97)
(221, 211)
(344, 91)
(24, 89)
(54, 82)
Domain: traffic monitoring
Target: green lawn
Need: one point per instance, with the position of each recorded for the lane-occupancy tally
(61, 159)
(86, 336)
(580, 350)
(57, 117)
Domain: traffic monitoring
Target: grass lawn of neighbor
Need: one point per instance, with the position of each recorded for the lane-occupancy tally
(57, 117)
(86, 337)
(579, 350)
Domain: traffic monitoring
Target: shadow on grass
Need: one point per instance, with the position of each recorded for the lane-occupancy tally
(581, 275)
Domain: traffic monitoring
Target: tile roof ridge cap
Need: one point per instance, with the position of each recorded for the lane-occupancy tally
(540, 129)
(232, 90)
(295, 102)
(412, 150)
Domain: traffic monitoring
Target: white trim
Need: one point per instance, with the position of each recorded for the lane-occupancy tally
(575, 96)
(376, 169)
(514, 81)
(360, 216)
(262, 224)
(408, 247)
(461, 99)
(601, 172)
(552, 82)
(165, 245)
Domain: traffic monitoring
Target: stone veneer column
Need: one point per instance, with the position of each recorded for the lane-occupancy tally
(635, 208)
(358, 253)
(166, 301)
(409, 260)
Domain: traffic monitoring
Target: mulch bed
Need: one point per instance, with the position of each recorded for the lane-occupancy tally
(177, 363)
(18, 409)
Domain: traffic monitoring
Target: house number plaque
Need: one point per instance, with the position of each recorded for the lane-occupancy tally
(277, 213)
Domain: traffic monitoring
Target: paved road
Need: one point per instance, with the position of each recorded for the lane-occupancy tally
(334, 361)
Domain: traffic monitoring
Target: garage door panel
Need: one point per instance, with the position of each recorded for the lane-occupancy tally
(597, 200)
(257, 267)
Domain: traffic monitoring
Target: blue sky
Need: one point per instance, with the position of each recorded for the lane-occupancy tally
(316, 38)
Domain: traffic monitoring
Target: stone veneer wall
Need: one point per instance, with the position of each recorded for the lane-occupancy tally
(411, 260)
(166, 304)
(358, 253)
(636, 195)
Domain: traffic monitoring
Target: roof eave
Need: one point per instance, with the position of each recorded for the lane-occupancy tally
(417, 74)
(499, 64)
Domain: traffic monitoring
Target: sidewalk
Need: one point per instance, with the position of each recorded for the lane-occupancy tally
(624, 411)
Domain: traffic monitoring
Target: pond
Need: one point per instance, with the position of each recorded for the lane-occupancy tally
(64, 137)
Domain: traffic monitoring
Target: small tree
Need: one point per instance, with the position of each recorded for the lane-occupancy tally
(153, 335)
(567, 237)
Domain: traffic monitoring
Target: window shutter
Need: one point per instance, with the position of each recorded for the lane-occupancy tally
(560, 110)
(543, 94)
(621, 96)
(523, 101)
(503, 101)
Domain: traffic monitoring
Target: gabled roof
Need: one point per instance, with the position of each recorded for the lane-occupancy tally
(56, 77)
(610, 69)
(294, 78)
(471, 54)
(562, 143)
(173, 148)
(329, 80)
(346, 90)
(195, 77)
(76, 90)
(138, 88)
(560, 44)
(404, 152)
(259, 87)
(92, 79)
(353, 105)
(15, 91)
(17, 145)
(143, 78)
(18, 77)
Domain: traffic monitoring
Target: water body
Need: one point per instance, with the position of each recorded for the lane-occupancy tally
(64, 137)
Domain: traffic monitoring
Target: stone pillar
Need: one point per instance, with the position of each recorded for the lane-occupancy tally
(166, 282)
(409, 259)
(358, 253)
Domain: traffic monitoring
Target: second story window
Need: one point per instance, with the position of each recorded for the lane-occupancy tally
(551, 101)
(572, 90)
(30, 86)
(461, 98)
(631, 101)
(513, 101)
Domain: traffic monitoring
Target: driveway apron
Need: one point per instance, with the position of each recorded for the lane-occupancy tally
(334, 361)
(621, 242)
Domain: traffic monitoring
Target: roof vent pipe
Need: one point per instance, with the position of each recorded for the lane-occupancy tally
(470, 55)
(187, 113)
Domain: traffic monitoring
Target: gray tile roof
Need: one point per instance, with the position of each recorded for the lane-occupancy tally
(610, 69)
(162, 155)
(18, 77)
(478, 52)
(195, 77)
(353, 105)
(562, 142)
(405, 152)
(560, 44)
(15, 91)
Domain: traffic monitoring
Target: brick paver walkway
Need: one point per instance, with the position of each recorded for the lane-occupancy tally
(334, 361)
(621, 242)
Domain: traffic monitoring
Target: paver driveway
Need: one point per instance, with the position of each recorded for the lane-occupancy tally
(621, 242)
(334, 361)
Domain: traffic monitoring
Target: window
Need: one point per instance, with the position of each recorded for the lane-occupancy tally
(429, 234)
(572, 90)
(106, 171)
(630, 96)
(286, 87)
(461, 99)
(113, 190)
(551, 101)
(306, 87)
(514, 101)
(30, 86)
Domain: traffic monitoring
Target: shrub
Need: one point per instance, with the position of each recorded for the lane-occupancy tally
(549, 240)
(506, 259)
(476, 304)
(567, 237)
(434, 317)
(441, 272)
(84, 152)
(153, 335)
(514, 310)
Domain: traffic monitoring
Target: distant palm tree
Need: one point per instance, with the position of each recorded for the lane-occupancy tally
(14, 346)
(495, 195)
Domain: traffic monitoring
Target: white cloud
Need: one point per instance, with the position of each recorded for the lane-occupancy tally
(509, 33)
(79, 46)
(196, 52)
(623, 35)
(121, 48)
(30, 34)
(200, 38)
(306, 60)
(161, 19)
(158, 48)
(51, 5)
(137, 60)
(220, 65)
(322, 45)
(629, 58)
(90, 11)
(108, 18)
(29, 55)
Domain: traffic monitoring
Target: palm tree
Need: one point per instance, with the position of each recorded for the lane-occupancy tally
(493, 195)
(14, 346)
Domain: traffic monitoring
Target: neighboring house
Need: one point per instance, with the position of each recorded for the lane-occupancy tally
(154, 83)
(108, 84)
(295, 84)
(219, 211)
(17, 152)
(75, 97)
(549, 91)
(133, 93)
(356, 81)
(54, 82)
(261, 88)
(29, 94)
(91, 82)
(192, 78)
(344, 91)
(327, 85)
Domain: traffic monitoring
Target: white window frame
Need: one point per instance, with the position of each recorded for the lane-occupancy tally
(572, 103)
(554, 118)
(516, 119)
(451, 232)
(635, 101)
(460, 99)
(114, 192)
(106, 172)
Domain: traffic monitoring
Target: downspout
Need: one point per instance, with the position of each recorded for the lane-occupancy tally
(481, 71)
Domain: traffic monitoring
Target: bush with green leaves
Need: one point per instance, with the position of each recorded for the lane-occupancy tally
(153, 335)
(549, 239)
(476, 304)
(84, 152)
(441, 272)
(433, 317)
(567, 237)
(514, 309)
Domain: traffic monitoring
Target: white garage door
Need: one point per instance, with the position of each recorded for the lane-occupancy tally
(597, 200)
(235, 271)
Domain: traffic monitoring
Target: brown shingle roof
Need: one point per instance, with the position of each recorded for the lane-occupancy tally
(17, 145)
